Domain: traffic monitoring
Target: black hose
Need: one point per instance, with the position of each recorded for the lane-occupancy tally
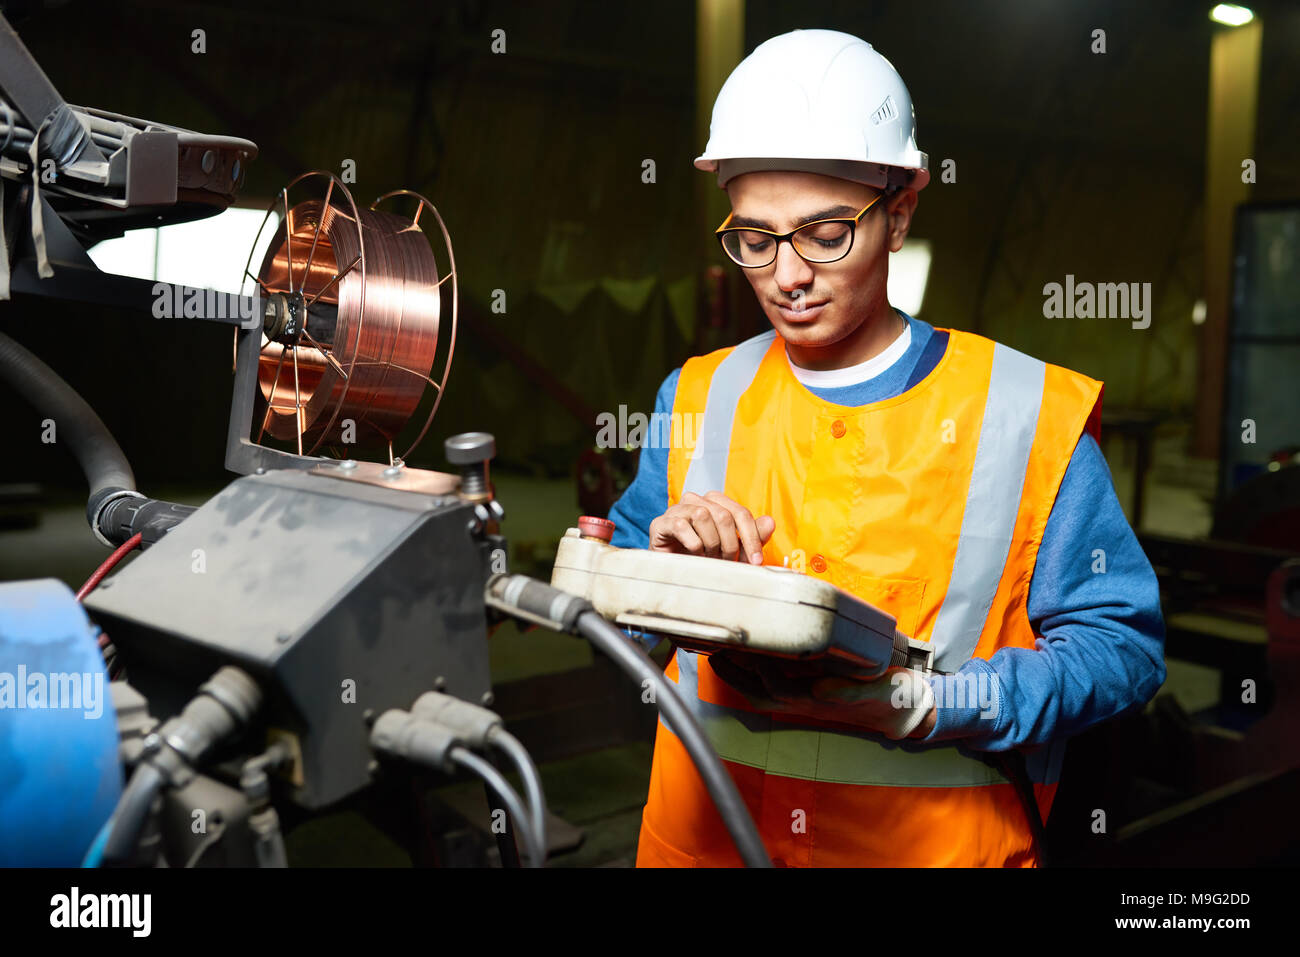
(682, 723)
(101, 458)
(131, 814)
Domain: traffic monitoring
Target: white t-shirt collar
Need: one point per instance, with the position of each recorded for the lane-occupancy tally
(853, 375)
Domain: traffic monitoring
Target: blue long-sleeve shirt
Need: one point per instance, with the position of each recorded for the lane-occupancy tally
(1093, 597)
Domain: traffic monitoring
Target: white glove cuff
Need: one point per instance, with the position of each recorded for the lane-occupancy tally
(921, 698)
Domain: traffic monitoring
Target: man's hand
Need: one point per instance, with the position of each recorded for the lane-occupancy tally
(898, 703)
(712, 525)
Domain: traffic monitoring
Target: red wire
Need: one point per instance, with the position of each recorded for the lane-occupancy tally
(109, 563)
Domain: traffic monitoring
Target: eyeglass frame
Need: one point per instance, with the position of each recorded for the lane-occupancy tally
(722, 230)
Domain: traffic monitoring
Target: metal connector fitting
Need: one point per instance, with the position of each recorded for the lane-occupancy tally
(400, 734)
(471, 723)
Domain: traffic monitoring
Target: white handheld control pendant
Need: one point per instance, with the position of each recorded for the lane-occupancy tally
(708, 604)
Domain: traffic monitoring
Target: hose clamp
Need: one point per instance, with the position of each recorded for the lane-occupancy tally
(99, 514)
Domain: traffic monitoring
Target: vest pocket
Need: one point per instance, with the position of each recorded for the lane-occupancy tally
(900, 597)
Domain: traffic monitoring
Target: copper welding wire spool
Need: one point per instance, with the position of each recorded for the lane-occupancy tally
(362, 286)
(440, 385)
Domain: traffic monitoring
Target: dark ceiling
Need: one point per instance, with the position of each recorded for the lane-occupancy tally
(1068, 161)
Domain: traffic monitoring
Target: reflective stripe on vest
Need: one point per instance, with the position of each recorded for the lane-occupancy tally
(734, 374)
(997, 479)
(840, 757)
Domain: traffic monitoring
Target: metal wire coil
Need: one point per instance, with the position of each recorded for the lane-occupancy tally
(360, 307)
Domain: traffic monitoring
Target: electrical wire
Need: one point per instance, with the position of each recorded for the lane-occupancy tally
(1012, 765)
(109, 564)
(682, 723)
(523, 762)
(508, 796)
(530, 600)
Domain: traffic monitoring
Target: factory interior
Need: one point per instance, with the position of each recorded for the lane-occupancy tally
(548, 148)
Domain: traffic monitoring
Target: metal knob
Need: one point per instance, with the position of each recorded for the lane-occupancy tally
(472, 451)
(470, 447)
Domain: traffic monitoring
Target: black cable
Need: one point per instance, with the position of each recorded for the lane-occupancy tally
(101, 458)
(682, 723)
(107, 471)
(530, 600)
(1012, 765)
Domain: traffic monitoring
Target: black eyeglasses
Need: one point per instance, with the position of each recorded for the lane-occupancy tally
(823, 241)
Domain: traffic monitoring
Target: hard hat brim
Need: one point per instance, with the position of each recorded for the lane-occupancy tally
(877, 175)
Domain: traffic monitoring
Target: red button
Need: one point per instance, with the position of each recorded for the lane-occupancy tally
(590, 526)
(818, 563)
(778, 862)
(838, 429)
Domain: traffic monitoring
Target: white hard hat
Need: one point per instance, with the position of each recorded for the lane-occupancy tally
(816, 101)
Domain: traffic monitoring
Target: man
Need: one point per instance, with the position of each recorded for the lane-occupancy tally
(953, 482)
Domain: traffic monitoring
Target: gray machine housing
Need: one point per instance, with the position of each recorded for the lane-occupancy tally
(340, 598)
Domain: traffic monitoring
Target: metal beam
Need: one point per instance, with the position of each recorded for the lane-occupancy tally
(1230, 139)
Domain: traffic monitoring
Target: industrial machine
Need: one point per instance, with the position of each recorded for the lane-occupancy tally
(321, 623)
(318, 629)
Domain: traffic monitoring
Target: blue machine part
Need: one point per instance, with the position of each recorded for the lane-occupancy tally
(60, 777)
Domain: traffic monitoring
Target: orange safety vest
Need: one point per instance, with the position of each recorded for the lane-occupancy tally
(930, 505)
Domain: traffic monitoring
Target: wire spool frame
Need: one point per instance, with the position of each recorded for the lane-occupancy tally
(353, 313)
